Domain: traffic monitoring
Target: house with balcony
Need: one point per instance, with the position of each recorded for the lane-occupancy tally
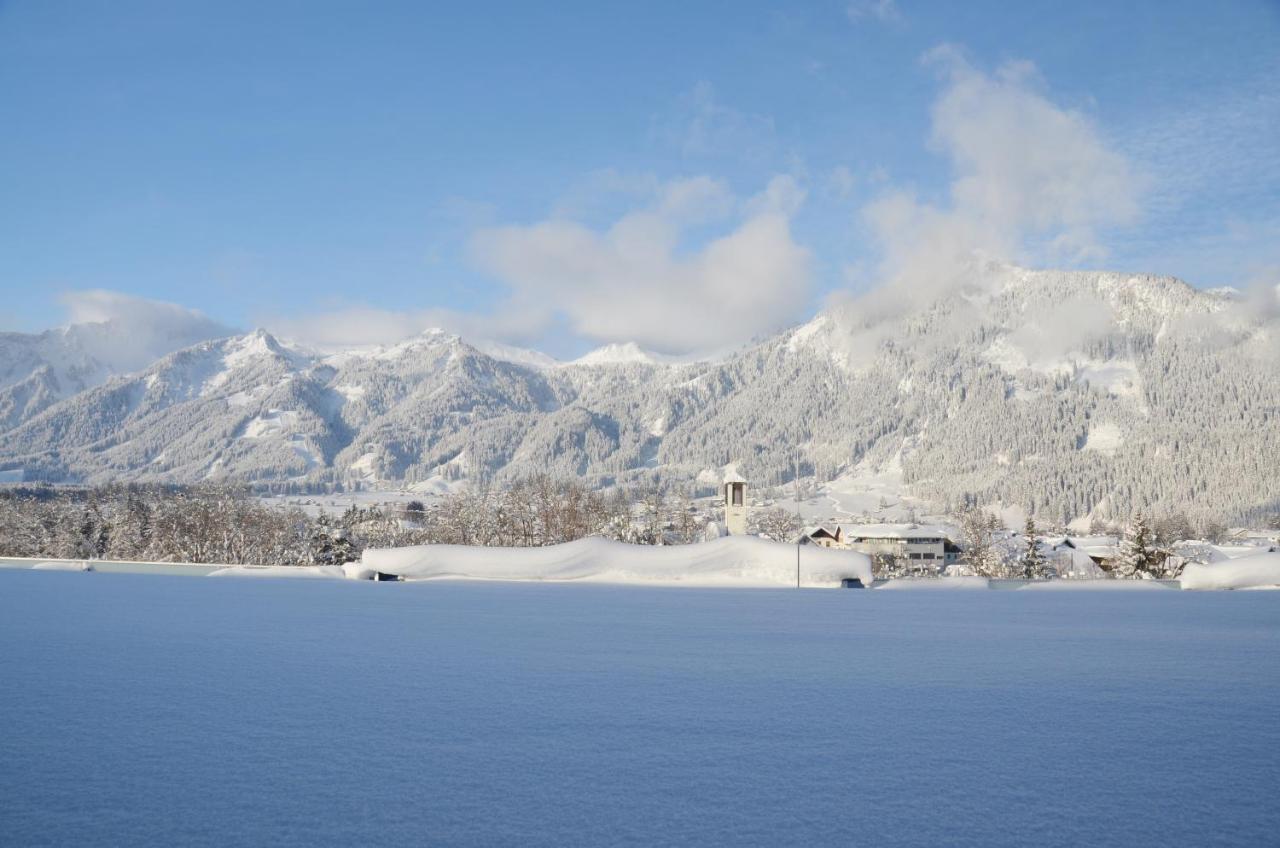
(921, 545)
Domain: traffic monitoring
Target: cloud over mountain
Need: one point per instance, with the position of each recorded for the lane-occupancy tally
(637, 280)
(1030, 180)
(126, 333)
(689, 268)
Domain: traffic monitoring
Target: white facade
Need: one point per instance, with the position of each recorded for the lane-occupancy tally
(735, 505)
(923, 546)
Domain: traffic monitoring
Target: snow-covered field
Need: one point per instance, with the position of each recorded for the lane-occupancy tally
(139, 709)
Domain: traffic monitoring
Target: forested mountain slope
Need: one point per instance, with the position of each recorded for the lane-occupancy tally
(39, 369)
(1060, 392)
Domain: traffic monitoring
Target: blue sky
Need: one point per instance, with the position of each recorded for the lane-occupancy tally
(594, 172)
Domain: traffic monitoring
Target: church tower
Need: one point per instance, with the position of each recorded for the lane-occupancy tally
(735, 504)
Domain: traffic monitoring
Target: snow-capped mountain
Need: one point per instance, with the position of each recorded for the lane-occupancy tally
(39, 369)
(1058, 392)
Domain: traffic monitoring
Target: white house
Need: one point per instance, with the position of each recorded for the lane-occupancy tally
(926, 546)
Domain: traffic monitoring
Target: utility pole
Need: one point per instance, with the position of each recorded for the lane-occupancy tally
(795, 485)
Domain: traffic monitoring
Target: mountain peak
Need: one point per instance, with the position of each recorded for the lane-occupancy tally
(626, 353)
(259, 342)
(1062, 389)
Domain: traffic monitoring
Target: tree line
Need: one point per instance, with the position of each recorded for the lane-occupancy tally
(228, 524)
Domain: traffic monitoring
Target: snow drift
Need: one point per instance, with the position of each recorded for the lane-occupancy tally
(303, 571)
(57, 565)
(1106, 585)
(729, 561)
(935, 583)
(1247, 572)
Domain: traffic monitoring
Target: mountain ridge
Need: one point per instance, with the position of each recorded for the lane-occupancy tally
(1061, 392)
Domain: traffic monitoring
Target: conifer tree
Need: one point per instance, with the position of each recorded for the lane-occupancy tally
(978, 527)
(1033, 563)
(1137, 558)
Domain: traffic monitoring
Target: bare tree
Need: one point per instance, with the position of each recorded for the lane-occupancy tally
(778, 524)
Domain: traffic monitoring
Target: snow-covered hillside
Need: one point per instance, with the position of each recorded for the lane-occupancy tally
(1056, 392)
(38, 370)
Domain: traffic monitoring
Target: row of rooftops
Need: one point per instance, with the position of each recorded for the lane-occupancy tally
(1095, 547)
(911, 534)
(1098, 548)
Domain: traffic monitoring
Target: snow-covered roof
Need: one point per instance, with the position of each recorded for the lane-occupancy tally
(1208, 552)
(732, 476)
(1072, 554)
(1093, 541)
(892, 531)
(1099, 546)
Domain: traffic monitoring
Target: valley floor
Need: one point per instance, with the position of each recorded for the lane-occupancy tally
(144, 710)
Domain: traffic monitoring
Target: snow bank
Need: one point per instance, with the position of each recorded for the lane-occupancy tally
(358, 571)
(1107, 585)
(926, 583)
(729, 561)
(62, 566)
(306, 571)
(1247, 572)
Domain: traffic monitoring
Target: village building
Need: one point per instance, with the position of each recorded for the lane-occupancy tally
(922, 545)
(735, 504)
(1100, 549)
(822, 536)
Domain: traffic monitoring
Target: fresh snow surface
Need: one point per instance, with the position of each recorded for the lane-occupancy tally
(57, 565)
(628, 353)
(1246, 572)
(926, 584)
(1118, 376)
(273, 422)
(148, 710)
(744, 561)
(1105, 438)
(1094, 586)
(295, 571)
(516, 355)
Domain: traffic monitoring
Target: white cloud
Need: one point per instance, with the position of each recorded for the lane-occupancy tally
(128, 332)
(701, 125)
(1031, 181)
(880, 10)
(687, 267)
(643, 279)
(782, 196)
(841, 181)
(1048, 339)
(695, 200)
(638, 281)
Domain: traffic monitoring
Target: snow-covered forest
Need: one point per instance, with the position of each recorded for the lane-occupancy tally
(226, 524)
